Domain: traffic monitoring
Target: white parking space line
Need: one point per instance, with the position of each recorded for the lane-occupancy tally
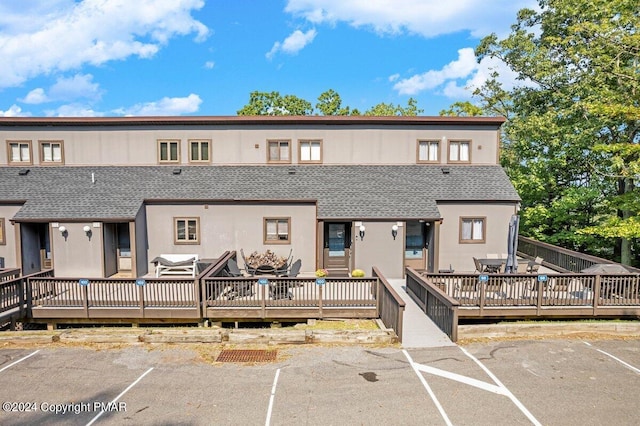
(120, 396)
(273, 395)
(629, 366)
(428, 388)
(507, 392)
(20, 360)
(462, 379)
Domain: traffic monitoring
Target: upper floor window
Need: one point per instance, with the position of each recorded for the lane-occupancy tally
(51, 152)
(459, 151)
(19, 152)
(187, 230)
(472, 229)
(199, 151)
(276, 230)
(311, 151)
(169, 151)
(279, 152)
(3, 239)
(428, 151)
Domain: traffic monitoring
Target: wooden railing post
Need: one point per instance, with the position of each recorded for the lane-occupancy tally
(541, 287)
(22, 286)
(85, 300)
(320, 297)
(141, 299)
(596, 294)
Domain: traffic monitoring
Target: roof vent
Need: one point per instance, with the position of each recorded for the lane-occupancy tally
(291, 171)
(177, 171)
(23, 172)
(445, 170)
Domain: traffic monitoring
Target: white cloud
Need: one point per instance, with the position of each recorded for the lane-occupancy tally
(209, 65)
(13, 111)
(459, 78)
(65, 89)
(36, 96)
(74, 110)
(292, 44)
(39, 38)
(394, 77)
(428, 18)
(165, 106)
(460, 68)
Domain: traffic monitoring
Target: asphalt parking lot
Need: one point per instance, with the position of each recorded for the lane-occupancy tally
(550, 382)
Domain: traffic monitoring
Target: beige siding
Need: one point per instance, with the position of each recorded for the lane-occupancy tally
(77, 256)
(378, 248)
(248, 145)
(458, 255)
(8, 250)
(233, 227)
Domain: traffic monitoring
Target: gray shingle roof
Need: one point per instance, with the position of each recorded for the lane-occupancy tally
(341, 191)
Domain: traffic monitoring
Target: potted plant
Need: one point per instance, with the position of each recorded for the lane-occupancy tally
(321, 274)
(357, 273)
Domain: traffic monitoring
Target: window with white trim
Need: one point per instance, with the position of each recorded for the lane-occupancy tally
(472, 229)
(187, 230)
(277, 230)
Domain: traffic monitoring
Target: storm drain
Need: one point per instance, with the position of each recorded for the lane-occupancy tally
(247, 355)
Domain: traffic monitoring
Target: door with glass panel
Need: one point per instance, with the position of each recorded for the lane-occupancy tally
(337, 246)
(416, 246)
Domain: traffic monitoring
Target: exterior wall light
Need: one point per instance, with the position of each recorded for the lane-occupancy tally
(394, 231)
(87, 230)
(63, 232)
(362, 229)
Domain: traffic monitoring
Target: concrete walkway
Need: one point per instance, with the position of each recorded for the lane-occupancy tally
(418, 331)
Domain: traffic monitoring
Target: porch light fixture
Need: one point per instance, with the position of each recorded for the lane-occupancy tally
(87, 230)
(394, 231)
(63, 232)
(362, 229)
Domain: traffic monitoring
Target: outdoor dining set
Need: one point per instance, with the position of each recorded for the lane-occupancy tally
(497, 264)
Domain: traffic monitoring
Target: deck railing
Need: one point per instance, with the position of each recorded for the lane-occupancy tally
(560, 259)
(15, 293)
(538, 295)
(431, 295)
(280, 297)
(390, 304)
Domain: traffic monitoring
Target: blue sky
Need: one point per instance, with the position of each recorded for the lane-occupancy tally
(204, 57)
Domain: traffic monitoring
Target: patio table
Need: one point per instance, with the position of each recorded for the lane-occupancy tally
(491, 265)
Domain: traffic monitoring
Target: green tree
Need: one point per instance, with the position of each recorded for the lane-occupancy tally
(462, 109)
(390, 109)
(573, 127)
(272, 103)
(330, 103)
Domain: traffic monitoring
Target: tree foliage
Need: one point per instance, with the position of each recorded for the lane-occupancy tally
(571, 143)
(329, 103)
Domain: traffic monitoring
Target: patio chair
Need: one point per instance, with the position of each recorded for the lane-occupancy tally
(538, 260)
(247, 267)
(282, 270)
(240, 289)
(478, 265)
(234, 270)
(295, 269)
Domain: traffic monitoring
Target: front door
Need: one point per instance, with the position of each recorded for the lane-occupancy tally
(337, 248)
(416, 246)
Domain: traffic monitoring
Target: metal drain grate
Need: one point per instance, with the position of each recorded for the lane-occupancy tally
(247, 355)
